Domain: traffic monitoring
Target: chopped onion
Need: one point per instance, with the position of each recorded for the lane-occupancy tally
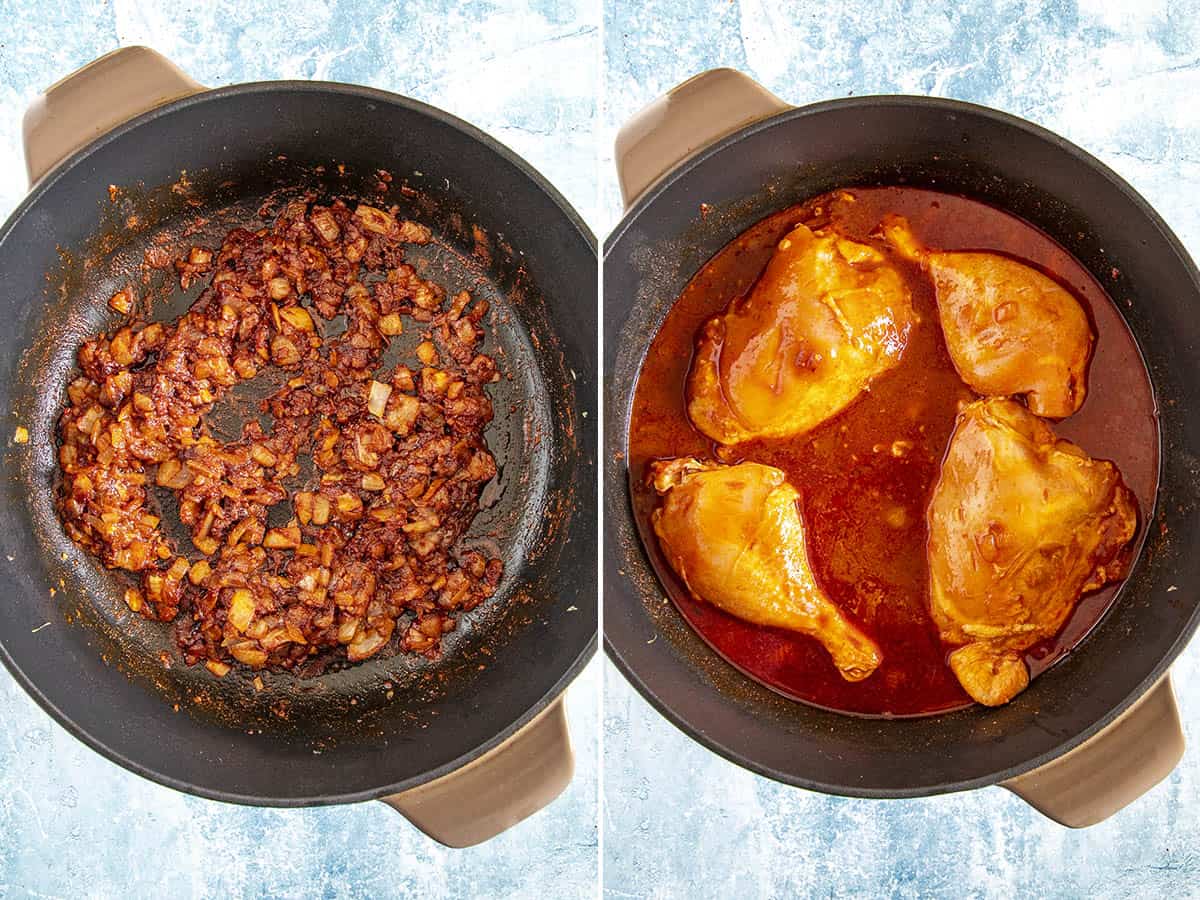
(283, 538)
(325, 225)
(279, 288)
(375, 220)
(298, 317)
(248, 654)
(133, 599)
(241, 609)
(378, 397)
(347, 631)
(262, 455)
(427, 353)
(121, 301)
(304, 506)
(348, 504)
(320, 513)
(199, 572)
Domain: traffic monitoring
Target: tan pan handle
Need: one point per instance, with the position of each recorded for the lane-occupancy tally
(687, 118)
(504, 786)
(95, 99)
(1108, 772)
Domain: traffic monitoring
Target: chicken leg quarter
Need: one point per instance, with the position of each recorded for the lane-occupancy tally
(734, 535)
(1009, 328)
(1021, 524)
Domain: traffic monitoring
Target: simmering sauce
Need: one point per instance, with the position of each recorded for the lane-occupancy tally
(866, 475)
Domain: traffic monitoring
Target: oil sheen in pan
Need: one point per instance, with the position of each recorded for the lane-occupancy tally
(849, 477)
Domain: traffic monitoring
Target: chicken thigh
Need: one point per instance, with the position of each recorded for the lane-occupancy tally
(1009, 328)
(734, 535)
(827, 317)
(1021, 524)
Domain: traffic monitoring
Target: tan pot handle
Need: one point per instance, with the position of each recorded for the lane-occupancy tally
(504, 786)
(687, 118)
(95, 99)
(1108, 772)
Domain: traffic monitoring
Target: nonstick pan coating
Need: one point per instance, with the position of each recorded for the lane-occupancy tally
(958, 148)
(187, 173)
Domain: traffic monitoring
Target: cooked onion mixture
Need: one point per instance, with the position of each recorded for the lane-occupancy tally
(365, 555)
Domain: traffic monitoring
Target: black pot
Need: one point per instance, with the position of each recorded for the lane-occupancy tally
(468, 745)
(1100, 727)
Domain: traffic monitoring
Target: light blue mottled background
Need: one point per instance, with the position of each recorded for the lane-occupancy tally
(74, 825)
(1122, 79)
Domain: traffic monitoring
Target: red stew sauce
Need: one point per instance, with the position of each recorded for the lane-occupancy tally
(865, 476)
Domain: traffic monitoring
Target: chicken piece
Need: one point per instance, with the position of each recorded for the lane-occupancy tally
(1021, 524)
(827, 316)
(1009, 328)
(734, 535)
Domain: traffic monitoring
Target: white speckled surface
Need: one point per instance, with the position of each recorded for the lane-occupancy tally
(1120, 79)
(71, 823)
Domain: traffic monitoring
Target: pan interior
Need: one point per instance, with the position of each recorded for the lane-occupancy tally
(198, 212)
(389, 720)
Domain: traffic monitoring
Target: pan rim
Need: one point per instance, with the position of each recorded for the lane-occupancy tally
(697, 732)
(302, 87)
(582, 230)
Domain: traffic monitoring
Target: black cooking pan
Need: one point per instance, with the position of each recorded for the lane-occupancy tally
(465, 745)
(1100, 727)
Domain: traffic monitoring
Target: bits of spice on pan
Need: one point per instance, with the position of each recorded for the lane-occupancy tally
(362, 553)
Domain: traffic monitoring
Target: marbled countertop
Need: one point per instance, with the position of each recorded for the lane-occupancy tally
(1119, 79)
(71, 823)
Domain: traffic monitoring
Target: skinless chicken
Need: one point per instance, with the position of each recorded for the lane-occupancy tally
(1021, 524)
(734, 535)
(827, 317)
(1009, 328)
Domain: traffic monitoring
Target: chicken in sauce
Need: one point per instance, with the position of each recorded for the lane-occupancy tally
(734, 535)
(827, 317)
(868, 501)
(1010, 329)
(1020, 525)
